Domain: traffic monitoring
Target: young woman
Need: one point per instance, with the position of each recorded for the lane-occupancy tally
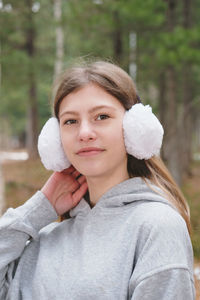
(129, 237)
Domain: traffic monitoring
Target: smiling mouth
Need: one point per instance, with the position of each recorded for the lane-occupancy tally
(89, 152)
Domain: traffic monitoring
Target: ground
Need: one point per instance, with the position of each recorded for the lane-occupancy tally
(23, 178)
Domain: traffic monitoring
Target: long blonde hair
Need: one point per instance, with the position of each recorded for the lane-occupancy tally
(118, 83)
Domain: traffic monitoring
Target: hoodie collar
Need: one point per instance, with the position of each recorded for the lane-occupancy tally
(126, 192)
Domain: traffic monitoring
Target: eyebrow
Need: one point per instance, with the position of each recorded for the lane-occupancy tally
(90, 111)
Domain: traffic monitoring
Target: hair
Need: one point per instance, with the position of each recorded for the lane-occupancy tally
(118, 83)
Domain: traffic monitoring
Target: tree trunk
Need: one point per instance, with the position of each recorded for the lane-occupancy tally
(32, 122)
(32, 126)
(171, 138)
(132, 55)
(196, 144)
(162, 108)
(59, 38)
(0, 69)
(59, 42)
(186, 124)
(117, 38)
(2, 197)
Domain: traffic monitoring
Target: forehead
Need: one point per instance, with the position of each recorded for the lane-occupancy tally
(89, 96)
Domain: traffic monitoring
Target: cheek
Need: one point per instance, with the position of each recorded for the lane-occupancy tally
(116, 139)
(121, 142)
(66, 141)
(118, 134)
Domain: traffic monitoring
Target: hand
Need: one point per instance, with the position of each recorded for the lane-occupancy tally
(63, 190)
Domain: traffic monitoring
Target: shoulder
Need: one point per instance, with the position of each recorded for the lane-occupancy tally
(160, 216)
(161, 224)
(163, 238)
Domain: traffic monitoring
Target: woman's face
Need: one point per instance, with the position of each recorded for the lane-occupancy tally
(91, 131)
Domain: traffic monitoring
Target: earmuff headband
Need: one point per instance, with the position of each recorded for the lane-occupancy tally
(143, 135)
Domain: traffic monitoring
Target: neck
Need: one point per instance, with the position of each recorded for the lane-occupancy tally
(99, 185)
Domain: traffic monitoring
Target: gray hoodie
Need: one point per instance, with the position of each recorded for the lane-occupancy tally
(131, 245)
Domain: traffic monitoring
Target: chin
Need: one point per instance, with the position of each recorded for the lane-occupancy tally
(90, 169)
(90, 172)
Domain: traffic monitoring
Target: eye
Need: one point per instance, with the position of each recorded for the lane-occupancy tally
(70, 122)
(102, 117)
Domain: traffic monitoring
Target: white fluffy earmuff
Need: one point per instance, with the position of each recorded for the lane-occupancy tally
(50, 147)
(143, 132)
(143, 136)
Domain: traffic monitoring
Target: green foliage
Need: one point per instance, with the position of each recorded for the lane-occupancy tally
(89, 30)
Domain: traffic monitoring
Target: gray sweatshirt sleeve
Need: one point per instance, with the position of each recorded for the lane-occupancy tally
(171, 284)
(17, 226)
(164, 263)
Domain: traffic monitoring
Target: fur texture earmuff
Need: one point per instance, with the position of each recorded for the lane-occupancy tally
(50, 147)
(143, 133)
(143, 136)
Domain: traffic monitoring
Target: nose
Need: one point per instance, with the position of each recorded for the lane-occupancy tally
(86, 132)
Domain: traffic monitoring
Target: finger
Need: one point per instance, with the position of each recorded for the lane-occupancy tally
(79, 193)
(74, 186)
(69, 170)
(75, 174)
(81, 179)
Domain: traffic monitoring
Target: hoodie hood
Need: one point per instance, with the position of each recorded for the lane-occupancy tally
(125, 193)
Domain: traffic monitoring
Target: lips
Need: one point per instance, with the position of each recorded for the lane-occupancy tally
(89, 151)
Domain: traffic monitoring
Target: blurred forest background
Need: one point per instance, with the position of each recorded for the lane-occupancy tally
(156, 41)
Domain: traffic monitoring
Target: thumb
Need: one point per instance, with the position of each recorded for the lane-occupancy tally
(79, 193)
